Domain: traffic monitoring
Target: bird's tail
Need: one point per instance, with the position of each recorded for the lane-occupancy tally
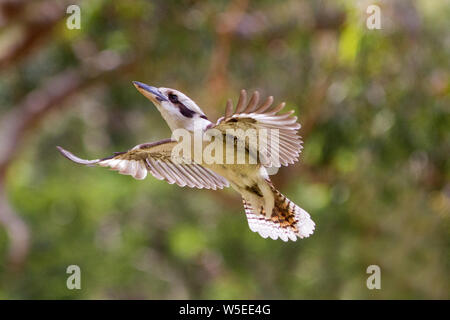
(287, 222)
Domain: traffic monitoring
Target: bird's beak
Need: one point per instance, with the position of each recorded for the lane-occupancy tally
(150, 92)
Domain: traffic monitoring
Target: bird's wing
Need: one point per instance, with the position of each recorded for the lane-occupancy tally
(157, 159)
(254, 116)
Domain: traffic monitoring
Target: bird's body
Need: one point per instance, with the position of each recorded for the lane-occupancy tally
(236, 159)
(251, 181)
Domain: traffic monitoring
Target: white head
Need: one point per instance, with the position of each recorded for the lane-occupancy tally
(176, 108)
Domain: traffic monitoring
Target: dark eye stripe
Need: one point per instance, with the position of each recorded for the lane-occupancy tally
(173, 98)
(185, 111)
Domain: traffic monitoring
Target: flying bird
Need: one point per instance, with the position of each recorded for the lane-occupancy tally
(269, 213)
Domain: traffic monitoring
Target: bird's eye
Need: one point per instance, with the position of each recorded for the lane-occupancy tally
(173, 98)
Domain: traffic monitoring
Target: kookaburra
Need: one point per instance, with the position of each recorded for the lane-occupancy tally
(269, 212)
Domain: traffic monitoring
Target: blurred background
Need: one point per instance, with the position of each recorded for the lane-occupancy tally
(374, 174)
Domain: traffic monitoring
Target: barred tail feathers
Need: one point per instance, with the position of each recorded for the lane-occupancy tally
(287, 222)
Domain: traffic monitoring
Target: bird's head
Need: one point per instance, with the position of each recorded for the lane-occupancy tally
(176, 108)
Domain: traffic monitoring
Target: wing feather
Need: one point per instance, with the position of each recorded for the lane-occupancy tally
(156, 158)
(283, 127)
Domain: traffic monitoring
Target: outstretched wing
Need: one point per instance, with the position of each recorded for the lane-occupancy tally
(254, 116)
(156, 158)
